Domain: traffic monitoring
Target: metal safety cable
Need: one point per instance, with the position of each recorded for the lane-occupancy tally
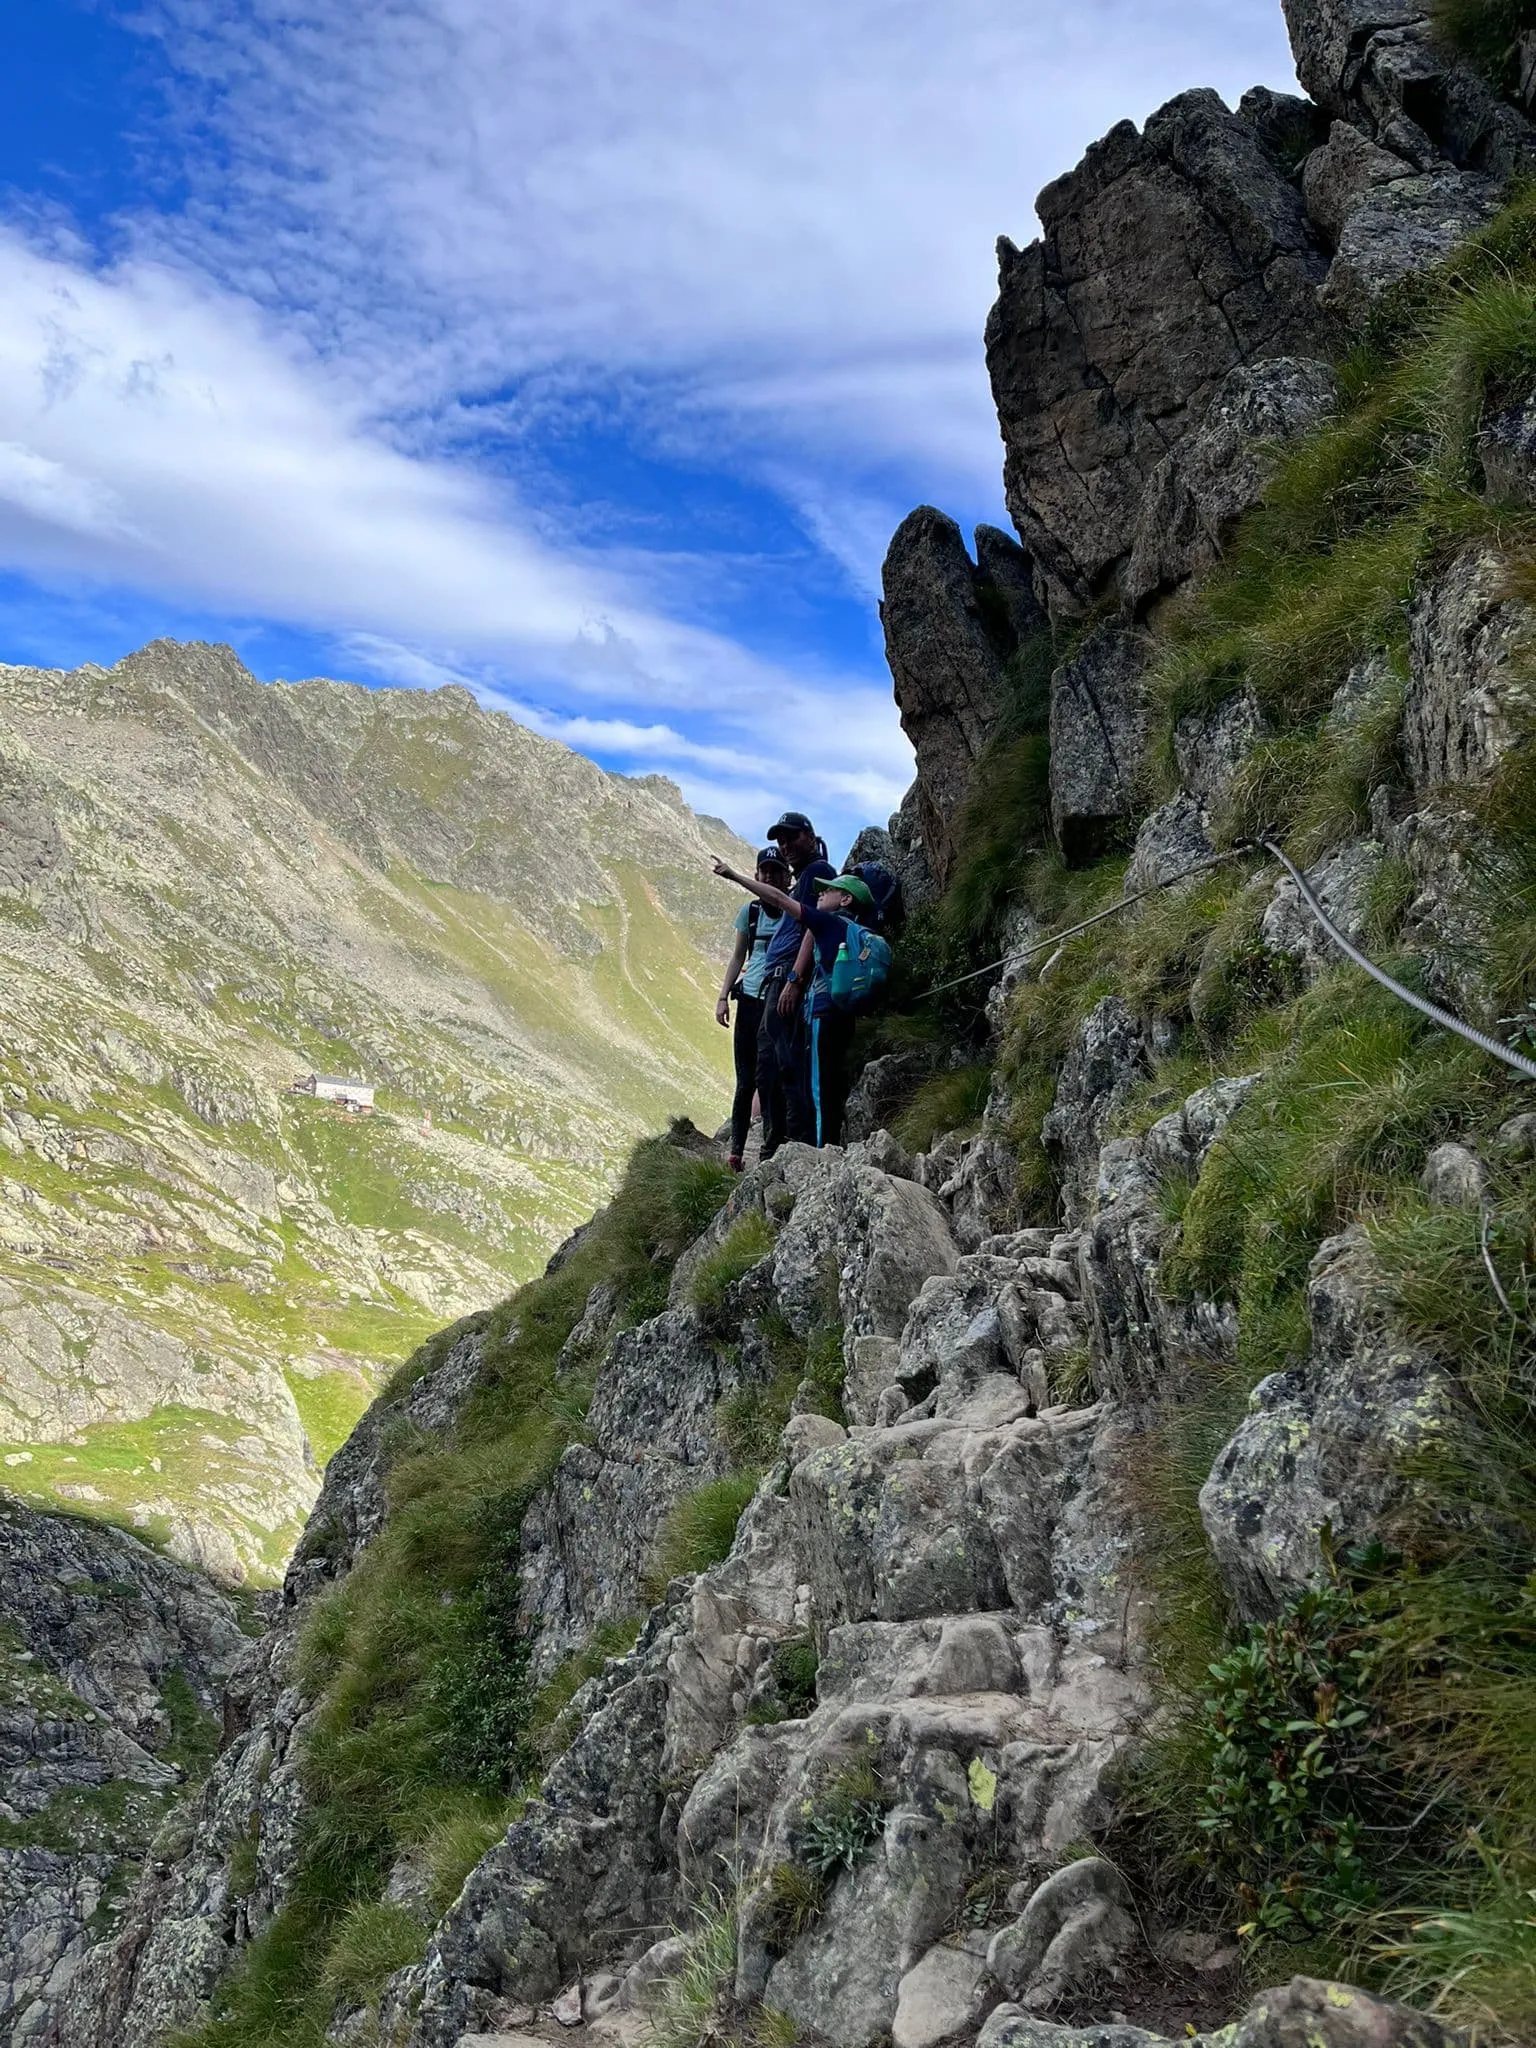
(1214, 860)
(1432, 1011)
(1425, 1008)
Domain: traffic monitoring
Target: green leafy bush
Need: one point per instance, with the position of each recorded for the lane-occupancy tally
(844, 1822)
(1291, 1741)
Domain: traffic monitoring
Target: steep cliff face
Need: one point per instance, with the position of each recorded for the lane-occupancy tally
(209, 885)
(115, 1663)
(1017, 1591)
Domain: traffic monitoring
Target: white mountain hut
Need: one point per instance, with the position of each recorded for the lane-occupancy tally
(336, 1088)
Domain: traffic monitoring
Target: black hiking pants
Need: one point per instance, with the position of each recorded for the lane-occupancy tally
(783, 1073)
(749, 1022)
(831, 1043)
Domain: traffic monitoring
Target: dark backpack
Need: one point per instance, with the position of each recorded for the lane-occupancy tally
(886, 890)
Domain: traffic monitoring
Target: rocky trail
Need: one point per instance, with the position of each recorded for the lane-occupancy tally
(1052, 1572)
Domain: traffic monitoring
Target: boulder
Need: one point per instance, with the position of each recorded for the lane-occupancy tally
(1454, 1178)
(1106, 1061)
(1398, 229)
(1338, 177)
(940, 1998)
(1210, 746)
(949, 629)
(1305, 2013)
(1462, 688)
(1167, 258)
(1196, 494)
(1330, 1443)
(1099, 716)
(1341, 882)
(1172, 839)
(1072, 1937)
(857, 1248)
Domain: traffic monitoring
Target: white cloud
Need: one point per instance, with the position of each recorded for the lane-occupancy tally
(785, 209)
(758, 240)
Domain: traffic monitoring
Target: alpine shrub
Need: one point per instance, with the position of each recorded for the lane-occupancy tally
(1289, 1735)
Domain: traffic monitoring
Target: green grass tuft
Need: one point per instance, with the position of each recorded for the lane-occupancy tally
(700, 1530)
(749, 1240)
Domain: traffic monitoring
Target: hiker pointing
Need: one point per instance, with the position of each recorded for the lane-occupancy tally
(756, 923)
(850, 963)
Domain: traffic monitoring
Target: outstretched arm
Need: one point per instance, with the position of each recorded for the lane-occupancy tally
(765, 891)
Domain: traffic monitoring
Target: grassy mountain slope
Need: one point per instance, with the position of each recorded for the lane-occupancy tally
(209, 886)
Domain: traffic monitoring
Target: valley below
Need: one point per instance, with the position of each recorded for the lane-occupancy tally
(212, 888)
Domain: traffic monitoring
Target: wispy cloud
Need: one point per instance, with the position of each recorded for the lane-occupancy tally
(438, 256)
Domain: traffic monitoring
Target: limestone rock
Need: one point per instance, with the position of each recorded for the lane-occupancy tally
(949, 628)
(1106, 1061)
(97, 1631)
(1328, 1442)
(1099, 719)
(1072, 1936)
(939, 1998)
(1507, 447)
(1463, 634)
(1341, 883)
(1210, 746)
(1338, 177)
(976, 1179)
(1376, 64)
(1168, 258)
(1305, 2013)
(1196, 494)
(1171, 840)
(880, 1091)
(1454, 1178)
(1397, 229)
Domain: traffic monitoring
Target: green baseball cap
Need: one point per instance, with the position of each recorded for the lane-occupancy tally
(851, 885)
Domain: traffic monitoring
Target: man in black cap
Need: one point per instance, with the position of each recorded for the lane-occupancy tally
(783, 1045)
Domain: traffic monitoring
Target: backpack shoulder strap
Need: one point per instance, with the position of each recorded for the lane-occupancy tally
(754, 918)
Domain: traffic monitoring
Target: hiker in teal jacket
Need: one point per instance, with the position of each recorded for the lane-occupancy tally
(841, 900)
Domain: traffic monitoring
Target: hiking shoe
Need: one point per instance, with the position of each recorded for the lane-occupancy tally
(734, 1162)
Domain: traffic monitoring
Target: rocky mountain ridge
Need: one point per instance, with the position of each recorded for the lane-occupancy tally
(1022, 1578)
(209, 885)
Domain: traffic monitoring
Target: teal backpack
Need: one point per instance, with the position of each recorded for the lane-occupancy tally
(859, 971)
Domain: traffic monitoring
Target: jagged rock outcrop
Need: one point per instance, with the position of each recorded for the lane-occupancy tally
(1099, 715)
(1377, 65)
(1167, 259)
(1196, 494)
(950, 625)
(109, 1657)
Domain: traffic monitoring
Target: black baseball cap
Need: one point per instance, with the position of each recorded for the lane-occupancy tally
(771, 856)
(792, 821)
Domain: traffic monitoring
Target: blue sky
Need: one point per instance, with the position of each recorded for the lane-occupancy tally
(586, 351)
